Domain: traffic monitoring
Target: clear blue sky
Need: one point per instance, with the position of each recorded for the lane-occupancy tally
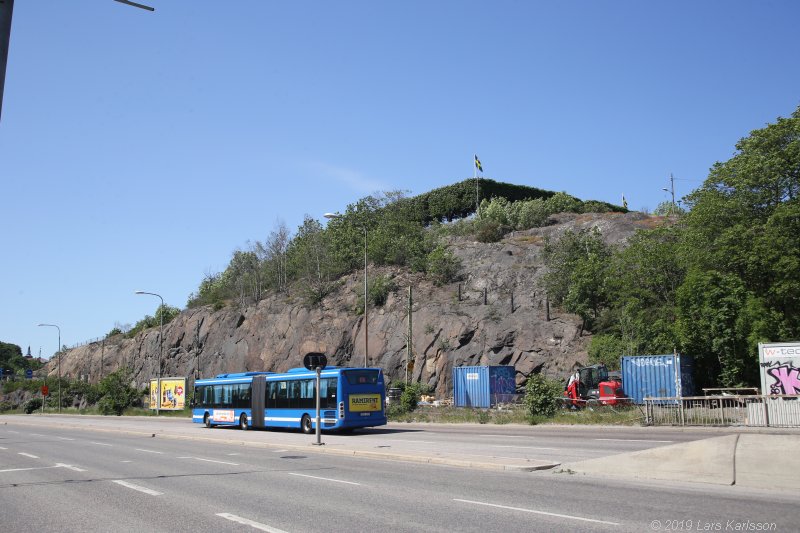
(139, 149)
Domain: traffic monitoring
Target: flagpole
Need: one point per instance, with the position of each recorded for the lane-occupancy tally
(475, 177)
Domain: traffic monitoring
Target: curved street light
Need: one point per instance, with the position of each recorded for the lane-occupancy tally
(59, 361)
(333, 216)
(134, 4)
(160, 345)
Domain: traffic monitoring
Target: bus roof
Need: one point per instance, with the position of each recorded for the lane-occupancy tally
(242, 374)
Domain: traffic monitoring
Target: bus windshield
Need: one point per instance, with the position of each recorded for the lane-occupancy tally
(362, 377)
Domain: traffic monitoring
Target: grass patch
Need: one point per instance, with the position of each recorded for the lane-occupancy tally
(601, 415)
(94, 410)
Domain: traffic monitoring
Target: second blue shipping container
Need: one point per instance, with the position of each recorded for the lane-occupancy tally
(483, 386)
(657, 376)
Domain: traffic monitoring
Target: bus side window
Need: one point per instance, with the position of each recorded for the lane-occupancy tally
(282, 399)
(271, 391)
(328, 393)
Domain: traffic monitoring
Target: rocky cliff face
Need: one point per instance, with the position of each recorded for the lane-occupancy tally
(448, 331)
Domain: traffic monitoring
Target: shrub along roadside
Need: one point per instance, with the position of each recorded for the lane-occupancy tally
(112, 395)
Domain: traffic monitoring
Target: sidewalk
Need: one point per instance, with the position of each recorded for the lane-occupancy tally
(754, 460)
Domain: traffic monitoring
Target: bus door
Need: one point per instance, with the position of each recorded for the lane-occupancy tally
(258, 395)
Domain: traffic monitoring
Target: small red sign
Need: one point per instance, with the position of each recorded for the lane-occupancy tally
(45, 390)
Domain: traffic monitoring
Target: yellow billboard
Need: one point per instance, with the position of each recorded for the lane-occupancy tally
(173, 394)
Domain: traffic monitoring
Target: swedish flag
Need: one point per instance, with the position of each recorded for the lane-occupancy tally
(478, 164)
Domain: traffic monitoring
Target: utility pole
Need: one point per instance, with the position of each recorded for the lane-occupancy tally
(409, 350)
(671, 190)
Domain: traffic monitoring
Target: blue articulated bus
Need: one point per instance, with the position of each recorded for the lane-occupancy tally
(349, 398)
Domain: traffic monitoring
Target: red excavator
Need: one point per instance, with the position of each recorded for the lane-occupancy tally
(592, 384)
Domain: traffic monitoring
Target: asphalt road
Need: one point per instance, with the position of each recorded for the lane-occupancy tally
(107, 476)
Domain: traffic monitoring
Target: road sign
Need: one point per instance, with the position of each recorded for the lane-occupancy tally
(28, 373)
(45, 390)
(315, 359)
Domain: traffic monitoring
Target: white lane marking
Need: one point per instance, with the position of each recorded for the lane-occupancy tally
(279, 451)
(58, 465)
(210, 461)
(36, 435)
(28, 455)
(126, 461)
(233, 454)
(539, 512)
(12, 431)
(101, 443)
(527, 447)
(1, 448)
(70, 467)
(324, 478)
(26, 469)
(251, 523)
(151, 492)
(64, 438)
(146, 451)
(635, 440)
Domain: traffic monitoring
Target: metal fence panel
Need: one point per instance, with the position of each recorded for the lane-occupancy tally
(750, 411)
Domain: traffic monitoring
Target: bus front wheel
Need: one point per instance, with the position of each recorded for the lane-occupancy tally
(207, 421)
(305, 425)
(243, 422)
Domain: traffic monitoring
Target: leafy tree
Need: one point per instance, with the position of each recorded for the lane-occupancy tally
(11, 356)
(168, 312)
(668, 209)
(608, 349)
(488, 230)
(398, 235)
(273, 256)
(309, 260)
(741, 235)
(642, 282)
(561, 202)
(442, 266)
(710, 304)
(411, 395)
(379, 289)
(117, 394)
(576, 273)
(542, 396)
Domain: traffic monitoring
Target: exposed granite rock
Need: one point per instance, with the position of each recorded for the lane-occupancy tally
(275, 333)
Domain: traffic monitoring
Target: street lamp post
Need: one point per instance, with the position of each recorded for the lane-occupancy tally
(59, 363)
(160, 347)
(366, 290)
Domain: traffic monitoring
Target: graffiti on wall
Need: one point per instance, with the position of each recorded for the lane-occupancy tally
(785, 377)
(502, 383)
(780, 368)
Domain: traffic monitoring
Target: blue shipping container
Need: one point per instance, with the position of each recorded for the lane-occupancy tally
(657, 376)
(483, 386)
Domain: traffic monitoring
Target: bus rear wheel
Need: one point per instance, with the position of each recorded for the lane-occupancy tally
(243, 425)
(305, 425)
